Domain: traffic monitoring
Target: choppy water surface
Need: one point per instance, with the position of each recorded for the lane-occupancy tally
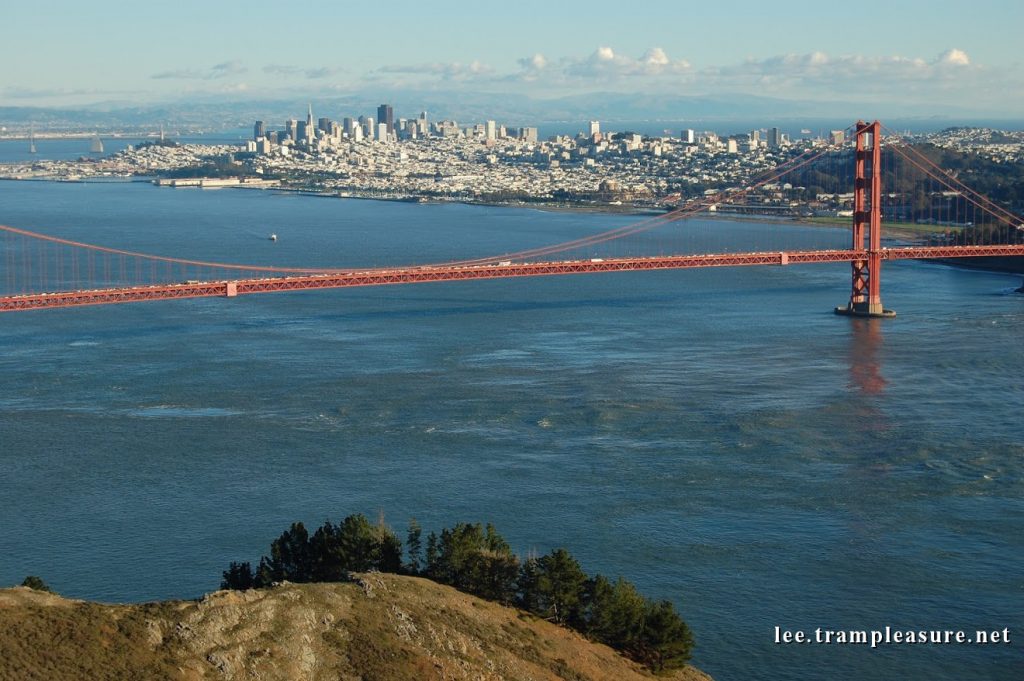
(718, 436)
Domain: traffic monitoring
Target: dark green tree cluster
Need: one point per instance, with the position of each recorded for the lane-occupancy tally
(475, 559)
(334, 550)
(221, 166)
(36, 584)
(157, 143)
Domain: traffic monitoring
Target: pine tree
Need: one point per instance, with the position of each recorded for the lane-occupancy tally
(528, 586)
(36, 584)
(359, 543)
(666, 642)
(329, 563)
(414, 546)
(238, 576)
(560, 588)
(389, 552)
(431, 567)
(614, 614)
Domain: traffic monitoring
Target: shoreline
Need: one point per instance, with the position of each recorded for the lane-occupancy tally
(902, 234)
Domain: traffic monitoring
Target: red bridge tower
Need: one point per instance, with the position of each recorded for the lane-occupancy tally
(866, 295)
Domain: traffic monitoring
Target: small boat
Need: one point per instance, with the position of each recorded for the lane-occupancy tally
(273, 237)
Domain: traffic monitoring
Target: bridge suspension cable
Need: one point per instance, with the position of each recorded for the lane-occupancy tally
(47, 271)
(648, 224)
(951, 182)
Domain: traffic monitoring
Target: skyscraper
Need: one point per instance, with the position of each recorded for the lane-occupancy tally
(386, 115)
(774, 138)
(258, 131)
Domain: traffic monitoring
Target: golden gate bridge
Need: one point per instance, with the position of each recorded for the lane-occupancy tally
(45, 271)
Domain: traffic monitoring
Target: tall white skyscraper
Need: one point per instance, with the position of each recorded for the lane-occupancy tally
(492, 130)
(595, 128)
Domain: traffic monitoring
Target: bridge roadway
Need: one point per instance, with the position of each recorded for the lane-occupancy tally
(498, 270)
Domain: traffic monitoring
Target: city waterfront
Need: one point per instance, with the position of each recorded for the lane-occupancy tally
(717, 436)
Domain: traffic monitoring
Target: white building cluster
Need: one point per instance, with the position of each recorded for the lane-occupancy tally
(326, 135)
(488, 161)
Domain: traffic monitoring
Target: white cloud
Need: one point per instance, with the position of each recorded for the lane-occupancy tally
(531, 68)
(537, 62)
(954, 57)
(178, 74)
(322, 72)
(18, 92)
(227, 68)
(448, 71)
(215, 72)
(605, 63)
(282, 69)
(874, 80)
(818, 75)
(655, 57)
(292, 70)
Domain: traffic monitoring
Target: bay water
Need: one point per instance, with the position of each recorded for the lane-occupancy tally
(717, 436)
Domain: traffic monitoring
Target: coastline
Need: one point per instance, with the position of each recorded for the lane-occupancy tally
(901, 233)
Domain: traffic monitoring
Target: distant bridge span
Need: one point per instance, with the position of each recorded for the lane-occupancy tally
(423, 274)
(43, 271)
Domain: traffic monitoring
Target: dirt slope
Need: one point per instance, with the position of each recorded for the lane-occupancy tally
(380, 628)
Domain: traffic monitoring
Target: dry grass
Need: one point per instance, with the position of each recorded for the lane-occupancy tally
(383, 628)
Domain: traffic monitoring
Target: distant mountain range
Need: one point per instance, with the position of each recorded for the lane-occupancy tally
(210, 114)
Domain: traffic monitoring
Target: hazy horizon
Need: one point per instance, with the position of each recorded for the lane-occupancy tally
(917, 59)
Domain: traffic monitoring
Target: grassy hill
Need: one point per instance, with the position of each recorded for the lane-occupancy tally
(379, 628)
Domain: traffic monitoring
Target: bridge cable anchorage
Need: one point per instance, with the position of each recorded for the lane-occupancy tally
(43, 271)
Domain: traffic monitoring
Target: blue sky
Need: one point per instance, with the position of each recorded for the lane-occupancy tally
(928, 53)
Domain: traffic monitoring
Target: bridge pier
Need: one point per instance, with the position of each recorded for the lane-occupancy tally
(866, 291)
(865, 310)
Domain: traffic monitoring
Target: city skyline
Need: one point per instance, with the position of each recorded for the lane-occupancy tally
(909, 55)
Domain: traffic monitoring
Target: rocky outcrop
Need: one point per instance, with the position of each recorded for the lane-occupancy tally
(380, 627)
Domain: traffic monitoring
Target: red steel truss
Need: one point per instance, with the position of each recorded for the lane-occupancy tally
(414, 275)
(866, 293)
